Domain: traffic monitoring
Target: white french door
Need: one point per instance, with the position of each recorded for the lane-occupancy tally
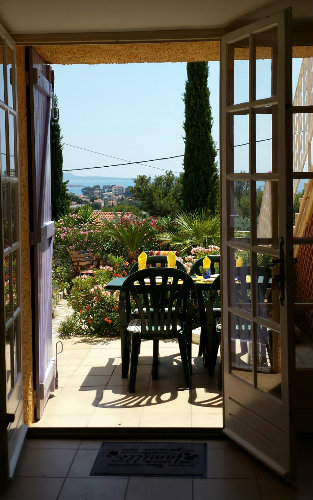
(257, 258)
(12, 427)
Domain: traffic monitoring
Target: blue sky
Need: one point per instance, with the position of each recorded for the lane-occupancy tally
(129, 111)
(135, 112)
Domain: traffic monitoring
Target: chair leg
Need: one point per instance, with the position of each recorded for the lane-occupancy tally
(134, 362)
(220, 377)
(125, 341)
(183, 347)
(155, 363)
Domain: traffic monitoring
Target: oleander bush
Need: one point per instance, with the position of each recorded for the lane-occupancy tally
(198, 252)
(95, 309)
(126, 236)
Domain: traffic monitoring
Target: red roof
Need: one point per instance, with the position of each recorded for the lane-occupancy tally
(110, 215)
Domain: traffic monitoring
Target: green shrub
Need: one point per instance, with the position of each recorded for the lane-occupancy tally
(95, 308)
(71, 326)
(134, 234)
(193, 229)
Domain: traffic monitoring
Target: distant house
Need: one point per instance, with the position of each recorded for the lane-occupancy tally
(117, 190)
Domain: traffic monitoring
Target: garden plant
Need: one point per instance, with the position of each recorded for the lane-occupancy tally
(118, 243)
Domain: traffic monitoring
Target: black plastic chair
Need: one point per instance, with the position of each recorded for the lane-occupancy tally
(157, 261)
(162, 297)
(215, 265)
(210, 313)
(210, 318)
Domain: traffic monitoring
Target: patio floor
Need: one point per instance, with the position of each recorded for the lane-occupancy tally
(92, 393)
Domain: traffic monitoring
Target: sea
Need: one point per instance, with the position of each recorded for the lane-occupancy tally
(77, 183)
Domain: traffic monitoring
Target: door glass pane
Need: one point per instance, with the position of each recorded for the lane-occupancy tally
(14, 211)
(1, 73)
(268, 354)
(17, 347)
(239, 213)
(265, 44)
(15, 291)
(240, 143)
(302, 70)
(8, 357)
(302, 207)
(303, 336)
(5, 215)
(303, 273)
(296, 72)
(3, 147)
(240, 279)
(12, 145)
(10, 76)
(7, 281)
(303, 279)
(267, 210)
(267, 292)
(238, 56)
(302, 142)
(241, 348)
(266, 140)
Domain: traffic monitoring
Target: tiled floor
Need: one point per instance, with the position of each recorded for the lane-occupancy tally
(92, 392)
(59, 470)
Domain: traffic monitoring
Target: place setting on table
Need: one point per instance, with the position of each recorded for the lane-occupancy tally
(166, 259)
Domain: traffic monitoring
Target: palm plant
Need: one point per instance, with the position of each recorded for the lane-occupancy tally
(193, 229)
(130, 237)
(85, 213)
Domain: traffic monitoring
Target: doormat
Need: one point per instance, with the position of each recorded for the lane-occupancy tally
(150, 459)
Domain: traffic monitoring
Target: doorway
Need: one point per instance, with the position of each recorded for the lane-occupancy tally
(241, 314)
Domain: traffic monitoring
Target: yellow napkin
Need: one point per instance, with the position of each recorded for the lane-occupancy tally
(171, 259)
(239, 262)
(206, 264)
(142, 261)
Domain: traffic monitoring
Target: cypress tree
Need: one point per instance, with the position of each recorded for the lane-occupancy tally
(60, 199)
(200, 178)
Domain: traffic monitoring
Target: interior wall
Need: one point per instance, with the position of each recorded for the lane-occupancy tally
(27, 361)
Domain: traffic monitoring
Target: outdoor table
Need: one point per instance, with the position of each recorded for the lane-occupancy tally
(206, 315)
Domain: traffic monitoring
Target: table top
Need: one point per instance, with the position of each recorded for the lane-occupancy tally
(116, 283)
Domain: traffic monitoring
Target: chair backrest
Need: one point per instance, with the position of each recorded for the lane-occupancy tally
(161, 296)
(158, 261)
(215, 265)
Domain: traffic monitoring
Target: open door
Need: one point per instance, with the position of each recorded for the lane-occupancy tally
(257, 256)
(40, 103)
(12, 428)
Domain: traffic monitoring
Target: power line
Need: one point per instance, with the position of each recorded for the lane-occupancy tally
(95, 152)
(115, 157)
(138, 162)
(127, 163)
